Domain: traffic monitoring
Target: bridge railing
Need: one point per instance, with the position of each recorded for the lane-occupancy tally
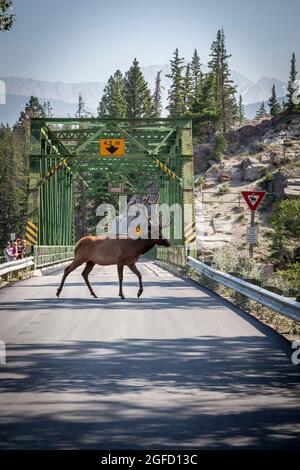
(17, 265)
(174, 255)
(278, 303)
(49, 255)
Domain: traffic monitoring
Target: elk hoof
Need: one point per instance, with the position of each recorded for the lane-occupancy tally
(95, 296)
(57, 294)
(122, 296)
(139, 293)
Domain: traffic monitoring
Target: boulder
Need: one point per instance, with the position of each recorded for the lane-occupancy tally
(253, 168)
(224, 176)
(247, 162)
(213, 169)
(253, 172)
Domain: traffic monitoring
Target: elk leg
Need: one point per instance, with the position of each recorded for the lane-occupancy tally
(85, 274)
(135, 271)
(67, 271)
(120, 274)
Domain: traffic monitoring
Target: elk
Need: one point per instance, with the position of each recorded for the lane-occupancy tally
(123, 251)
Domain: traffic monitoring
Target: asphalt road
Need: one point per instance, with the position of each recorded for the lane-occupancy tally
(178, 368)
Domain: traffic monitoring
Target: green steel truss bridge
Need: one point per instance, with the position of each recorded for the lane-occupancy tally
(66, 156)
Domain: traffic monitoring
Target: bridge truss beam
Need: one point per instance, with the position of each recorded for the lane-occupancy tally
(158, 158)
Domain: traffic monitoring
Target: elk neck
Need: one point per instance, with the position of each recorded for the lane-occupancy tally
(144, 245)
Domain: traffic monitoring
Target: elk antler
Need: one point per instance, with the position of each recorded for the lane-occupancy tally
(156, 199)
(146, 200)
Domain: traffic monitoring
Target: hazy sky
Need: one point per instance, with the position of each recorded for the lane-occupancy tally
(86, 40)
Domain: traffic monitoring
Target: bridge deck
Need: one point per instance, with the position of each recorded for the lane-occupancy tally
(176, 368)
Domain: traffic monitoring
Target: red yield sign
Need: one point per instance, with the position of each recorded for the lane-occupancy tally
(253, 198)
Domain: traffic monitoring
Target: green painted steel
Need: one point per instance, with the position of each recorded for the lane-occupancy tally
(157, 159)
(50, 255)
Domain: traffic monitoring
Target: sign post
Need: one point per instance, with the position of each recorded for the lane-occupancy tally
(253, 200)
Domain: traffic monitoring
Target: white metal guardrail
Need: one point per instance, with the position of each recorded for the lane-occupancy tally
(278, 303)
(17, 265)
(43, 256)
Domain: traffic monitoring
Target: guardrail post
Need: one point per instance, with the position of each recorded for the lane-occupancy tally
(35, 255)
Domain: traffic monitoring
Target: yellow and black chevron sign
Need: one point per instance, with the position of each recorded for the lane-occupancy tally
(166, 169)
(31, 232)
(53, 171)
(190, 233)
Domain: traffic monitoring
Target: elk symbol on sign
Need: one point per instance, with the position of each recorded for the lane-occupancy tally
(253, 198)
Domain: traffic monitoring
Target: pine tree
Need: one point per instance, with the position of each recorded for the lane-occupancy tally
(117, 104)
(188, 89)
(241, 110)
(197, 76)
(7, 18)
(215, 64)
(81, 111)
(104, 102)
(6, 188)
(14, 171)
(48, 109)
(137, 93)
(290, 90)
(157, 101)
(273, 104)
(32, 109)
(261, 112)
(176, 106)
(224, 87)
(113, 102)
(206, 113)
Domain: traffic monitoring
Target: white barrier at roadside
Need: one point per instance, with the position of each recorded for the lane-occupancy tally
(11, 266)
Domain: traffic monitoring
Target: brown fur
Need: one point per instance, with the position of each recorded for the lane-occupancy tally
(105, 251)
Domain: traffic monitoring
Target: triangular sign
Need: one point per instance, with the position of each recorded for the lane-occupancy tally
(253, 198)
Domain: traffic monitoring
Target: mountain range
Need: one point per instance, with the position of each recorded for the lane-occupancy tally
(64, 96)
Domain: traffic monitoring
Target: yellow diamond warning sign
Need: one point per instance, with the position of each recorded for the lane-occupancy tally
(112, 147)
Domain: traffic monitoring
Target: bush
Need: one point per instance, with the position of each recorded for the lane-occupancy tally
(286, 224)
(201, 182)
(220, 147)
(261, 146)
(287, 215)
(267, 177)
(224, 188)
(287, 279)
(225, 260)
(248, 269)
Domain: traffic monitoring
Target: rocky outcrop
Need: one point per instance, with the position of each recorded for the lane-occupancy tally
(266, 132)
(202, 153)
(260, 156)
(286, 183)
(252, 169)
